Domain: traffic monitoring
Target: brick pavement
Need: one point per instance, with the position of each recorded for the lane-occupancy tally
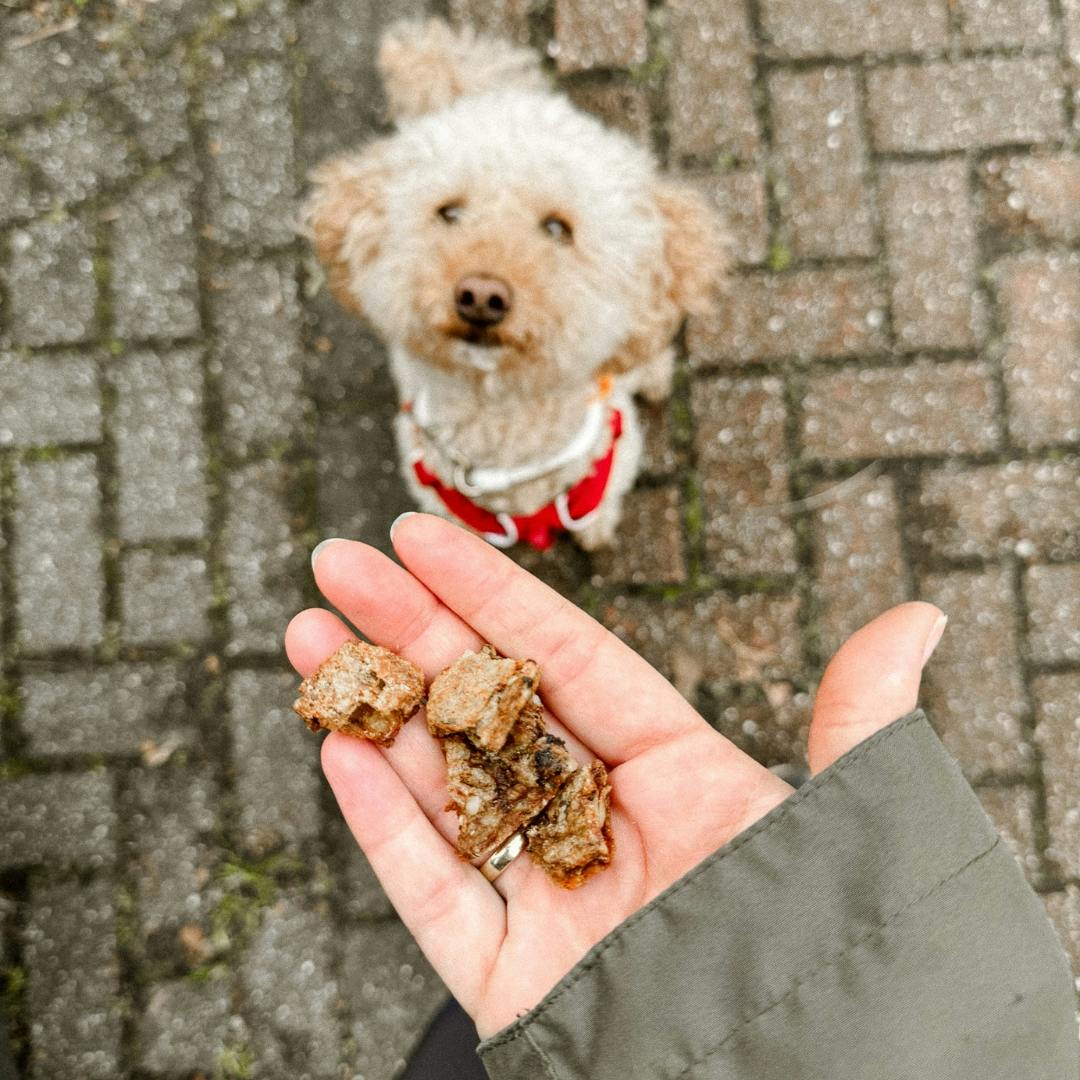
(886, 405)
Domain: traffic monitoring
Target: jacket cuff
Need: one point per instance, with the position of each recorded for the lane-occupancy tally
(876, 898)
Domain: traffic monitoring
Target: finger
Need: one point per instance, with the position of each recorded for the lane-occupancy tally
(872, 680)
(389, 606)
(310, 638)
(458, 920)
(600, 688)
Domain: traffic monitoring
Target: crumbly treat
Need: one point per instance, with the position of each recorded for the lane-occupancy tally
(494, 794)
(362, 690)
(481, 695)
(571, 840)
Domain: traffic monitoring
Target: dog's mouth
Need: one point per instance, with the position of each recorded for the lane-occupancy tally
(483, 336)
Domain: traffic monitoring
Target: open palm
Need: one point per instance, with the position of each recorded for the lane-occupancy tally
(679, 789)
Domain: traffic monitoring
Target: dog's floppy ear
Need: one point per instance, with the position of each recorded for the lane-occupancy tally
(427, 65)
(695, 247)
(345, 216)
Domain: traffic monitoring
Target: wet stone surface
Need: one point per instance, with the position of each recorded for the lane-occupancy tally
(884, 405)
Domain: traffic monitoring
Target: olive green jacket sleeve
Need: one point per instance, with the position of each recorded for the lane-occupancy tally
(871, 927)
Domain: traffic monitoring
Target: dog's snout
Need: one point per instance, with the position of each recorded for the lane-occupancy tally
(482, 300)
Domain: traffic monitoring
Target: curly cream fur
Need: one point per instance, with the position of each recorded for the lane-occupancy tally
(478, 129)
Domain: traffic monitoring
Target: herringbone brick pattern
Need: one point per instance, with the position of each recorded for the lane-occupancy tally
(886, 405)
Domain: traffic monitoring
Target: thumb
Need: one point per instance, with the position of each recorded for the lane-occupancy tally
(872, 680)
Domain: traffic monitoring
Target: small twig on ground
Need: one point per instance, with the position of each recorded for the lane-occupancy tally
(61, 27)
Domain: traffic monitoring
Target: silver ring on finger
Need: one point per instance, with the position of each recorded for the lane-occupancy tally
(503, 856)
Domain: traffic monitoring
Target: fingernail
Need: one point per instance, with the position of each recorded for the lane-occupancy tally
(397, 521)
(933, 638)
(319, 547)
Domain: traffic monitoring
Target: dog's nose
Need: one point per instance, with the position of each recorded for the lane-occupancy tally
(482, 300)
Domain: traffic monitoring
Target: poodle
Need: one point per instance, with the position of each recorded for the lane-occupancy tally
(527, 268)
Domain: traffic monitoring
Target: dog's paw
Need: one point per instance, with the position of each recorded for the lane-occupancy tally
(597, 536)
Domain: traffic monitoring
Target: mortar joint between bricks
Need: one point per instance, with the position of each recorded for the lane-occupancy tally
(1047, 868)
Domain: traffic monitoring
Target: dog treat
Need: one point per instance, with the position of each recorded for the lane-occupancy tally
(571, 839)
(362, 690)
(481, 695)
(494, 794)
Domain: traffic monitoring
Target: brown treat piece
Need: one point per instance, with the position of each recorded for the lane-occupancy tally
(495, 794)
(481, 695)
(362, 690)
(571, 840)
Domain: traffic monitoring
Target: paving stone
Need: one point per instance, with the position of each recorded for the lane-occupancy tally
(59, 820)
(1063, 908)
(772, 734)
(852, 27)
(360, 485)
(78, 153)
(154, 280)
(17, 197)
(710, 81)
(1057, 734)
(250, 139)
(740, 197)
(802, 314)
(965, 104)
(160, 455)
(158, 25)
(164, 598)
(278, 780)
(623, 107)
(111, 709)
(155, 97)
(1030, 509)
(58, 559)
(744, 478)
(718, 639)
(922, 408)
(360, 893)
(255, 314)
(500, 18)
(822, 182)
(648, 547)
(1053, 599)
(268, 30)
(858, 559)
(1012, 810)
(659, 456)
(35, 80)
(51, 282)
(931, 245)
(1033, 197)
(170, 816)
(974, 690)
(1070, 10)
(987, 23)
(187, 1026)
(588, 36)
(48, 400)
(292, 991)
(383, 967)
(263, 563)
(1039, 297)
(73, 981)
(341, 96)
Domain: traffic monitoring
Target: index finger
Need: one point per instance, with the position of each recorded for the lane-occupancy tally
(599, 688)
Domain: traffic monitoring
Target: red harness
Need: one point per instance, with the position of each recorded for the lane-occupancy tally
(567, 512)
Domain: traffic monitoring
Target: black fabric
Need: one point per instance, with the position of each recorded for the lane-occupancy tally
(448, 1049)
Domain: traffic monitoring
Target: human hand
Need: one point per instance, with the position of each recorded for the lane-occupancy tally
(680, 790)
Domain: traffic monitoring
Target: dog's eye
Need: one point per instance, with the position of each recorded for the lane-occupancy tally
(557, 228)
(451, 212)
